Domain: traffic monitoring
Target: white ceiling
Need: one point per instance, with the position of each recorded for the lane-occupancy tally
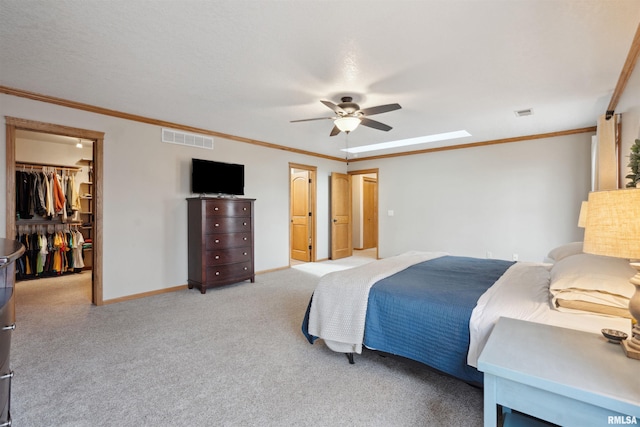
(249, 67)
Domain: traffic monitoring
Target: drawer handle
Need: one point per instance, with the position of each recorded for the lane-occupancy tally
(244, 238)
(244, 209)
(9, 327)
(217, 240)
(217, 256)
(245, 268)
(244, 223)
(217, 225)
(217, 273)
(244, 253)
(215, 209)
(5, 376)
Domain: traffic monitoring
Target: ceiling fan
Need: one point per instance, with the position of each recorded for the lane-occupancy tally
(349, 116)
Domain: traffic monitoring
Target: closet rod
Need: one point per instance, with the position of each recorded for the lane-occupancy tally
(49, 165)
(46, 222)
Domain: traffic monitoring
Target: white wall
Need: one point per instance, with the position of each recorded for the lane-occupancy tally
(145, 186)
(521, 198)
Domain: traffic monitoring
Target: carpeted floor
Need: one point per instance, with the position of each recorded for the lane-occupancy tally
(232, 357)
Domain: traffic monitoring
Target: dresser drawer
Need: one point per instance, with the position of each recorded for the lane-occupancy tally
(228, 256)
(5, 349)
(225, 241)
(228, 225)
(227, 272)
(7, 322)
(5, 396)
(7, 307)
(227, 208)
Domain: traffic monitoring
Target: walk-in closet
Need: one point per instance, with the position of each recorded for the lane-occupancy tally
(54, 214)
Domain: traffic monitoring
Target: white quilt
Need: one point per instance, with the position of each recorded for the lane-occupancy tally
(339, 303)
(523, 293)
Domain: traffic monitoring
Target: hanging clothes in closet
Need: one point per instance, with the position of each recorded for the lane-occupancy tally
(49, 252)
(47, 194)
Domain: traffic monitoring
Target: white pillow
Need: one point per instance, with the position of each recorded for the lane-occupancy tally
(595, 273)
(592, 279)
(564, 251)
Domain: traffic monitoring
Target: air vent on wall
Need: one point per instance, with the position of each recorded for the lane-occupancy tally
(522, 113)
(189, 139)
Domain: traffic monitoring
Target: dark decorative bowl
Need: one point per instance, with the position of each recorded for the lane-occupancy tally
(614, 336)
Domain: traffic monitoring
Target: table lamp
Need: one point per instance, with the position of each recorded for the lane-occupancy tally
(613, 229)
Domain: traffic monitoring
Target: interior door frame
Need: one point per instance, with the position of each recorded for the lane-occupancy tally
(312, 205)
(12, 125)
(374, 181)
(377, 225)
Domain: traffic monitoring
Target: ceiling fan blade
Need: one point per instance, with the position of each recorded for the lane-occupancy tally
(374, 124)
(317, 118)
(334, 131)
(380, 109)
(334, 107)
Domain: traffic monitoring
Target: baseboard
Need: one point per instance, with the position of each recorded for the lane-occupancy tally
(272, 270)
(167, 290)
(178, 288)
(144, 294)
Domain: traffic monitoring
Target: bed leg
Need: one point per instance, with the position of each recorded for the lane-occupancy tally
(350, 357)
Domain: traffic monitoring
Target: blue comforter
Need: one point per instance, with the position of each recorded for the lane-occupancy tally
(423, 312)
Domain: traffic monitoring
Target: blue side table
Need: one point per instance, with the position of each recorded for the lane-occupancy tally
(563, 376)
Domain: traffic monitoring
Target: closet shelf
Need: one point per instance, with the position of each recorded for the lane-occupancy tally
(48, 165)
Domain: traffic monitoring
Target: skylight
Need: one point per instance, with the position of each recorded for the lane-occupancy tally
(411, 141)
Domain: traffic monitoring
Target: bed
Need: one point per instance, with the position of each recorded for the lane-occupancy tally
(439, 309)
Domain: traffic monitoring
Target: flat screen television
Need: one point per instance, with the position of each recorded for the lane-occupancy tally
(209, 177)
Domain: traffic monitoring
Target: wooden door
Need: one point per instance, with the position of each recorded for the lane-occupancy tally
(369, 213)
(341, 245)
(300, 216)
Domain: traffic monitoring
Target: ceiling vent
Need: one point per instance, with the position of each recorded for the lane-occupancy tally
(189, 139)
(522, 113)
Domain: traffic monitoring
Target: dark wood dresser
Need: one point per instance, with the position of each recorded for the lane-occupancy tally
(11, 251)
(220, 241)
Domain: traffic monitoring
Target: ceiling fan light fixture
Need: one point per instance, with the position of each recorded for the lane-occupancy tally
(347, 124)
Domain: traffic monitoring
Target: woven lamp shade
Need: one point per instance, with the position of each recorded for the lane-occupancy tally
(582, 219)
(613, 223)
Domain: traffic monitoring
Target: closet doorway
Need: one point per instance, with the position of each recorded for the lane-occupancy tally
(364, 196)
(88, 168)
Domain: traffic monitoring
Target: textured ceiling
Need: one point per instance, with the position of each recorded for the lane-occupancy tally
(247, 68)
